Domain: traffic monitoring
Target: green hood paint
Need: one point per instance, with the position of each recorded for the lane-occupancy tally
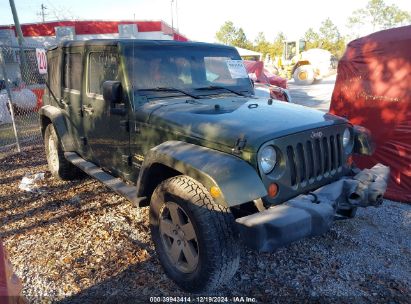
(223, 121)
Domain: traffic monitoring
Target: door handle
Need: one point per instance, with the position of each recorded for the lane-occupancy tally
(88, 109)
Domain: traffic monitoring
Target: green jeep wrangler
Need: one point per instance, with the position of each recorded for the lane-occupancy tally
(175, 125)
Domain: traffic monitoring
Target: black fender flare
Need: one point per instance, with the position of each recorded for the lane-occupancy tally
(57, 118)
(237, 180)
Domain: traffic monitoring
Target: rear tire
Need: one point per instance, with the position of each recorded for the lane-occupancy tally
(304, 75)
(59, 167)
(195, 239)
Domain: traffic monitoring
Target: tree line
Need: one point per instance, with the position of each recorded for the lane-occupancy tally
(376, 13)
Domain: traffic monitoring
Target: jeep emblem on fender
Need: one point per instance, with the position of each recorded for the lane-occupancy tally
(318, 134)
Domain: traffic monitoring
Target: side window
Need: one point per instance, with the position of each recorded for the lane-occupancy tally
(54, 73)
(72, 71)
(103, 66)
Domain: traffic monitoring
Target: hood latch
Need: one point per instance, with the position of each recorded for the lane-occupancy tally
(240, 144)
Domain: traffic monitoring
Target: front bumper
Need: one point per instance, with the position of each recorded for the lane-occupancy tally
(313, 213)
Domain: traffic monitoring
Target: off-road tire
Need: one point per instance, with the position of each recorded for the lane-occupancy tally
(306, 70)
(214, 226)
(59, 167)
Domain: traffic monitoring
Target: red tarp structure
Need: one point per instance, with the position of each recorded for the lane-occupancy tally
(10, 286)
(373, 89)
(262, 75)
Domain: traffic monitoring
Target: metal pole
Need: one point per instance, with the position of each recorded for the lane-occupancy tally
(16, 23)
(178, 28)
(20, 38)
(3, 67)
(172, 19)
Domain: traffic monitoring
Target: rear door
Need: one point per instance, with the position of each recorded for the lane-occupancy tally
(106, 131)
(71, 97)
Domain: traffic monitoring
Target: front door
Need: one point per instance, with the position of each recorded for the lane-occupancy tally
(106, 131)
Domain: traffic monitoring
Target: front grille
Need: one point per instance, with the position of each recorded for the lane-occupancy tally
(306, 161)
(313, 159)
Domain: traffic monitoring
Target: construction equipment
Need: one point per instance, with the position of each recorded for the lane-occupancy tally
(305, 66)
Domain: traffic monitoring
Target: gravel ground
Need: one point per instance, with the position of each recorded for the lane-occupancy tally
(78, 242)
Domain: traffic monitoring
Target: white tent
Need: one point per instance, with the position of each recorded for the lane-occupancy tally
(249, 53)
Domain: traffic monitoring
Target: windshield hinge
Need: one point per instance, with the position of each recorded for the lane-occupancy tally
(240, 144)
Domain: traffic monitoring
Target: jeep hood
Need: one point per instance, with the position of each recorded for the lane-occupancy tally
(224, 120)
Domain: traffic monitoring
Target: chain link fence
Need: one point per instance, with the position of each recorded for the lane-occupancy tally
(21, 90)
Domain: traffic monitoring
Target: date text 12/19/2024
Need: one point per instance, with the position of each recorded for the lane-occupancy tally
(203, 299)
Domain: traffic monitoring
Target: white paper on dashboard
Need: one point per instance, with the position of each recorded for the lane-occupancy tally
(237, 69)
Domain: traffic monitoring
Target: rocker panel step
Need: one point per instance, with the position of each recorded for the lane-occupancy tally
(114, 183)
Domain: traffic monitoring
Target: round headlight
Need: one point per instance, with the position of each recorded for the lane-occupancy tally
(346, 138)
(268, 159)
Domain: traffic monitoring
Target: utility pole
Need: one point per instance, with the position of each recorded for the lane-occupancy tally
(177, 16)
(42, 13)
(172, 18)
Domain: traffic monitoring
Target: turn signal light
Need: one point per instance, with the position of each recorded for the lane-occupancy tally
(215, 191)
(272, 190)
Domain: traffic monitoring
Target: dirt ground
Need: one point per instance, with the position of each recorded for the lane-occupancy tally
(78, 242)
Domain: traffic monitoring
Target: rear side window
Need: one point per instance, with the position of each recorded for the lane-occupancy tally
(54, 73)
(72, 71)
(103, 66)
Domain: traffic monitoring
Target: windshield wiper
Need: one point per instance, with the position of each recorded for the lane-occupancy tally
(170, 89)
(214, 87)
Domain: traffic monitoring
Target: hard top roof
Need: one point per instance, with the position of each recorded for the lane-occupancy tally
(141, 42)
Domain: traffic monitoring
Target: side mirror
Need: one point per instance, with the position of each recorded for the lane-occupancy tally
(112, 92)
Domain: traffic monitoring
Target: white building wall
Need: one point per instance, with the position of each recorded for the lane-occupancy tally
(52, 40)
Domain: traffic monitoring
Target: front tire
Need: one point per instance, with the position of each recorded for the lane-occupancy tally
(59, 167)
(304, 75)
(195, 239)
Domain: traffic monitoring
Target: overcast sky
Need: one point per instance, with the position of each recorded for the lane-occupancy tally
(200, 19)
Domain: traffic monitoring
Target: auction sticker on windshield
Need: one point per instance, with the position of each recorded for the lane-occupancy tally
(237, 69)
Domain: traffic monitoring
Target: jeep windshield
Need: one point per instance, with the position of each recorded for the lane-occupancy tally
(176, 70)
